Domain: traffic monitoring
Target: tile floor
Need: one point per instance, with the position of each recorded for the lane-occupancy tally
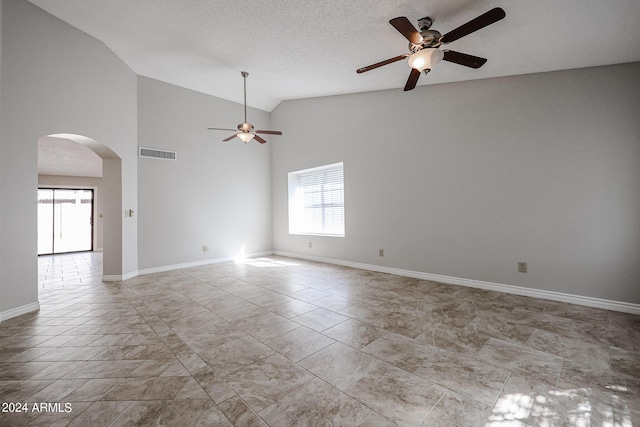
(285, 342)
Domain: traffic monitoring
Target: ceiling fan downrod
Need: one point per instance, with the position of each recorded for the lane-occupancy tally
(245, 75)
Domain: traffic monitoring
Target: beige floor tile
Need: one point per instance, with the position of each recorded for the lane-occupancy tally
(217, 389)
(92, 390)
(587, 353)
(292, 308)
(235, 355)
(267, 381)
(61, 415)
(192, 391)
(625, 361)
(339, 365)
(16, 391)
(309, 295)
(502, 327)
(403, 352)
(396, 394)
(21, 370)
(278, 341)
(521, 361)
(316, 403)
(240, 414)
(299, 343)
(99, 414)
(403, 324)
(320, 319)
(355, 333)
(454, 410)
(468, 377)
(158, 388)
(464, 341)
(56, 391)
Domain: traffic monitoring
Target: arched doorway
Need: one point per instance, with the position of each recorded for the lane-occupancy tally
(70, 148)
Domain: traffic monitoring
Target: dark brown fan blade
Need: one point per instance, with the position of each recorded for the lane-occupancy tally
(407, 29)
(463, 59)
(230, 138)
(229, 130)
(269, 132)
(494, 15)
(259, 139)
(381, 63)
(412, 80)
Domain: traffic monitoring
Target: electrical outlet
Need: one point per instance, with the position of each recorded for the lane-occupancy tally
(205, 248)
(522, 267)
(381, 252)
(310, 244)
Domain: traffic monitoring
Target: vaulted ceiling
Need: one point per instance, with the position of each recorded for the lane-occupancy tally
(309, 48)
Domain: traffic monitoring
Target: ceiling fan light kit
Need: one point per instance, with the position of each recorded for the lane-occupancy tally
(424, 46)
(245, 136)
(425, 59)
(245, 129)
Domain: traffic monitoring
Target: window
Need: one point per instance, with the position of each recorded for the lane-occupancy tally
(316, 201)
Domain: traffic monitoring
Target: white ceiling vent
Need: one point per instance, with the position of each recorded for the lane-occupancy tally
(155, 153)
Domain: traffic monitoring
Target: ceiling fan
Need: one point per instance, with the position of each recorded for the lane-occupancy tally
(245, 130)
(424, 52)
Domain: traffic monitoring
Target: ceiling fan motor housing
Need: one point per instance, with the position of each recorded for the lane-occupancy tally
(245, 127)
(430, 38)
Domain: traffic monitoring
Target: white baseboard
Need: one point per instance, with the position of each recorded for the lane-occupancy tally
(163, 268)
(119, 277)
(18, 311)
(605, 304)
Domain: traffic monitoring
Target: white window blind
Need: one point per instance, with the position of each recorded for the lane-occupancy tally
(316, 201)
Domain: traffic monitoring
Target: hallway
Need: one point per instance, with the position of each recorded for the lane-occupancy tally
(68, 270)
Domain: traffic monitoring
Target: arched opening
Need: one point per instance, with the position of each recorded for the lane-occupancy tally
(69, 156)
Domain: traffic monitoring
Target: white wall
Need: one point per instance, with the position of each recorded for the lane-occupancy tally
(466, 179)
(62, 181)
(216, 194)
(57, 79)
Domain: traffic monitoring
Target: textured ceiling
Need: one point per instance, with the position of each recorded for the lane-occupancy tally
(61, 156)
(308, 48)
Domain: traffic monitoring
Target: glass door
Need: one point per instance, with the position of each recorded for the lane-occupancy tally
(65, 220)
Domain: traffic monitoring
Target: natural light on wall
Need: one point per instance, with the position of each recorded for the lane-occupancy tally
(316, 201)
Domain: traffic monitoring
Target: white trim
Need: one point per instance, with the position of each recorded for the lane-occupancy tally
(163, 268)
(198, 263)
(119, 277)
(604, 304)
(18, 311)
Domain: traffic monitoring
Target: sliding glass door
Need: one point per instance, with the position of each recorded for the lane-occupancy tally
(65, 220)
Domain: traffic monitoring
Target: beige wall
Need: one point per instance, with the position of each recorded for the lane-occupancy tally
(217, 194)
(466, 179)
(57, 79)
